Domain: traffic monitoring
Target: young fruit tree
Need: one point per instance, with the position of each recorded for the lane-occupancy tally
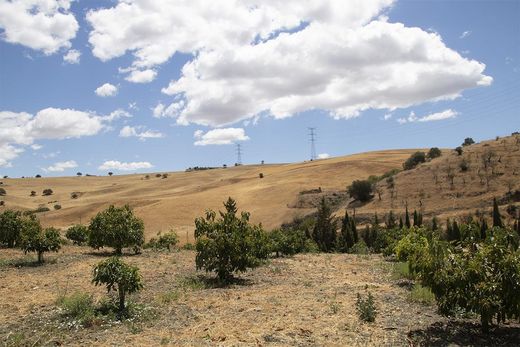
(118, 276)
(10, 228)
(229, 243)
(33, 238)
(118, 228)
(78, 234)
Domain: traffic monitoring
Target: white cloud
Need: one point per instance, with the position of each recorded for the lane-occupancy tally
(387, 116)
(129, 131)
(465, 34)
(446, 114)
(141, 76)
(173, 110)
(44, 25)
(323, 156)
(36, 147)
(254, 57)
(62, 166)
(106, 89)
(121, 166)
(225, 136)
(23, 129)
(72, 56)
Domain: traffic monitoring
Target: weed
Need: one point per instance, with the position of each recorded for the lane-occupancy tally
(366, 308)
(79, 307)
(168, 297)
(422, 295)
(402, 270)
(192, 283)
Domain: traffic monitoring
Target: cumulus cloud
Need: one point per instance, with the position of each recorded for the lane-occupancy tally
(72, 56)
(254, 57)
(387, 116)
(106, 89)
(43, 25)
(323, 156)
(141, 76)
(62, 166)
(140, 133)
(19, 129)
(224, 136)
(446, 114)
(122, 166)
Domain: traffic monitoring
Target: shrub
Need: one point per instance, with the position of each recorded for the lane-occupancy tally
(463, 165)
(34, 239)
(118, 276)
(188, 247)
(422, 295)
(158, 175)
(261, 175)
(38, 176)
(166, 241)
(164, 175)
(468, 141)
(33, 193)
(290, 241)
(74, 195)
(2, 192)
(434, 152)
(10, 228)
(359, 247)
(414, 160)
(227, 245)
(47, 192)
(78, 234)
(361, 190)
(366, 308)
(79, 307)
(410, 245)
(459, 150)
(110, 173)
(2, 203)
(41, 209)
(57, 207)
(79, 174)
(117, 228)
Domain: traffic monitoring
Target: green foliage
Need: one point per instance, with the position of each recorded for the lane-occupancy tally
(345, 240)
(366, 308)
(10, 228)
(117, 276)
(497, 218)
(422, 295)
(47, 192)
(433, 153)
(459, 150)
(78, 234)
(361, 190)
(188, 247)
(290, 241)
(116, 227)
(165, 241)
(414, 160)
(324, 232)
(79, 307)
(57, 207)
(402, 270)
(2, 192)
(479, 277)
(34, 239)
(228, 244)
(468, 141)
(412, 244)
(359, 247)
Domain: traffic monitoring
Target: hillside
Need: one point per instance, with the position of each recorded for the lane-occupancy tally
(455, 185)
(181, 197)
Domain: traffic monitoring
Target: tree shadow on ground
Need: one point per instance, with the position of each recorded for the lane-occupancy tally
(464, 334)
(107, 253)
(197, 282)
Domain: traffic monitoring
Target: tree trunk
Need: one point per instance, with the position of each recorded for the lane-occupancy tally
(121, 299)
(484, 321)
(119, 251)
(40, 257)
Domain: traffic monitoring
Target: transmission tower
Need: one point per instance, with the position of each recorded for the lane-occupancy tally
(312, 135)
(239, 154)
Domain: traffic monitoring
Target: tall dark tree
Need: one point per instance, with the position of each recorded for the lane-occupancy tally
(401, 224)
(354, 227)
(483, 229)
(407, 218)
(415, 219)
(497, 218)
(324, 233)
(435, 225)
(346, 237)
(456, 231)
(390, 220)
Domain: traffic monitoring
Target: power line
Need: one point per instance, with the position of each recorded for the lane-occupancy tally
(312, 134)
(239, 154)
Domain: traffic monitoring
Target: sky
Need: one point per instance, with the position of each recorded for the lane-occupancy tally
(151, 86)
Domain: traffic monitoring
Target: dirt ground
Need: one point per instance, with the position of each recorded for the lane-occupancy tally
(306, 300)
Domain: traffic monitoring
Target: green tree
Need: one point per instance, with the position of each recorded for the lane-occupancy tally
(433, 153)
(390, 220)
(407, 219)
(118, 228)
(2, 192)
(414, 160)
(10, 227)
(361, 190)
(324, 233)
(118, 276)
(346, 237)
(497, 218)
(78, 234)
(459, 150)
(227, 244)
(34, 238)
(468, 141)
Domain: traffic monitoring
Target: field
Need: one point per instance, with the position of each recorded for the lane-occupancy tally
(307, 300)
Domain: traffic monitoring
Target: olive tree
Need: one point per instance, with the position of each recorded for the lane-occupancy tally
(229, 243)
(414, 160)
(116, 227)
(118, 276)
(33, 238)
(361, 190)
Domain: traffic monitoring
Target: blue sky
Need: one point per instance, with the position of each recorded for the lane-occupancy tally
(381, 75)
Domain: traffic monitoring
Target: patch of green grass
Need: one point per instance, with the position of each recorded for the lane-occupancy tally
(401, 270)
(78, 307)
(168, 297)
(422, 295)
(334, 307)
(193, 283)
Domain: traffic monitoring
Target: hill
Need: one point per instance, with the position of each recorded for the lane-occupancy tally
(177, 200)
(455, 185)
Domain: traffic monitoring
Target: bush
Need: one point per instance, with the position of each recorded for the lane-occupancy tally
(116, 227)
(361, 190)
(47, 192)
(414, 160)
(167, 241)
(188, 247)
(34, 239)
(74, 195)
(434, 152)
(118, 276)
(468, 141)
(459, 150)
(57, 207)
(463, 165)
(78, 234)
(287, 242)
(422, 295)
(33, 193)
(410, 245)
(79, 307)
(228, 244)
(10, 228)
(164, 175)
(366, 308)
(261, 175)
(359, 247)
(2, 192)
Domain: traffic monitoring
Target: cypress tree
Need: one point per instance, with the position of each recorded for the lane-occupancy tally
(456, 231)
(407, 218)
(390, 221)
(419, 219)
(415, 219)
(483, 229)
(449, 230)
(346, 238)
(401, 225)
(354, 228)
(366, 236)
(325, 229)
(434, 224)
(497, 219)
